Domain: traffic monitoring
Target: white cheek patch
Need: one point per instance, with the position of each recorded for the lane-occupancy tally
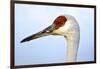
(68, 28)
(64, 29)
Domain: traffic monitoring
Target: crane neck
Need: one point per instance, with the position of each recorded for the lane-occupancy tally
(72, 48)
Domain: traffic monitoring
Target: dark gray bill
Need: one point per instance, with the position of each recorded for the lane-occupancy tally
(45, 32)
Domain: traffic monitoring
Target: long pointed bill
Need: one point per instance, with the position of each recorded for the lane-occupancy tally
(45, 32)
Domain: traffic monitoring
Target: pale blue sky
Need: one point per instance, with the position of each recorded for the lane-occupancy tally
(30, 19)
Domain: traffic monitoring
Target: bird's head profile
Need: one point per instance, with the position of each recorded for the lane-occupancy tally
(62, 25)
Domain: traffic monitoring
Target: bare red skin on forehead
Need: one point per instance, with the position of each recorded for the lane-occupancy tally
(60, 21)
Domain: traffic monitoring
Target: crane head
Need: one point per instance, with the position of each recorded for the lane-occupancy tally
(59, 27)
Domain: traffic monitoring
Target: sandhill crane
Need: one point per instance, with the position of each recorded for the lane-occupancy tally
(67, 26)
